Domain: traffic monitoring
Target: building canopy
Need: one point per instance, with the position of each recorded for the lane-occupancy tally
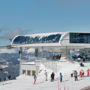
(59, 40)
(43, 38)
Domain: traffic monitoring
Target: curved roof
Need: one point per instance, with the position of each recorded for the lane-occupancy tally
(62, 40)
(42, 38)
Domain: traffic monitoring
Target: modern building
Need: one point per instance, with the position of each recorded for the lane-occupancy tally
(29, 68)
(55, 42)
(60, 39)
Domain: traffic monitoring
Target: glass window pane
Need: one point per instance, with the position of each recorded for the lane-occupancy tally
(24, 72)
(28, 72)
(53, 38)
(79, 37)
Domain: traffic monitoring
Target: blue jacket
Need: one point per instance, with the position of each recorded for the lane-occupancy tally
(61, 76)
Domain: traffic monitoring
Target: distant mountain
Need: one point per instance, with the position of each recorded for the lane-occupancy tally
(11, 56)
(9, 62)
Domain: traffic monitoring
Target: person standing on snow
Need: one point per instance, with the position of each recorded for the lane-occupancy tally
(82, 71)
(52, 76)
(88, 72)
(35, 78)
(61, 77)
(71, 75)
(80, 74)
(46, 74)
(75, 75)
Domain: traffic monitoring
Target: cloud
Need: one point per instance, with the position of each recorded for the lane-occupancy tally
(18, 31)
(10, 35)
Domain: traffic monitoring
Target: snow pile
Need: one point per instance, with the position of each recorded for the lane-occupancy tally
(41, 35)
(41, 76)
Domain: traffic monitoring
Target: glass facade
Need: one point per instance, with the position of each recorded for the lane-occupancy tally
(79, 38)
(53, 38)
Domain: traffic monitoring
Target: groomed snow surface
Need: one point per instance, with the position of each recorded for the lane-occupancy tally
(26, 82)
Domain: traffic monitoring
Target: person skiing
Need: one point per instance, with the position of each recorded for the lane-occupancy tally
(9, 77)
(71, 75)
(52, 76)
(46, 74)
(75, 75)
(61, 77)
(88, 72)
(80, 74)
(82, 71)
(35, 78)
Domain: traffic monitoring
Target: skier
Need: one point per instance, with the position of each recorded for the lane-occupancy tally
(71, 75)
(35, 78)
(0, 79)
(82, 71)
(80, 74)
(46, 74)
(88, 72)
(52, 76)
(61, 77)
(75, 75)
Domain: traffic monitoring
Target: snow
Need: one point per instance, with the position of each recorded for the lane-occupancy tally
(26, 63)
(24, 82)
(30, 50)
(43, 34)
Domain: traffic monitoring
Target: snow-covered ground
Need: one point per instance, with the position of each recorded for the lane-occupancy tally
(26, 82)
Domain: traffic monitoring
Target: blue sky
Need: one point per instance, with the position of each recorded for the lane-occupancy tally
(36, 16)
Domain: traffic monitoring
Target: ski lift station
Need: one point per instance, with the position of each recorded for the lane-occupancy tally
(57, 42)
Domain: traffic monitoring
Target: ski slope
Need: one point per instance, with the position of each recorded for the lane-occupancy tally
(26, 82)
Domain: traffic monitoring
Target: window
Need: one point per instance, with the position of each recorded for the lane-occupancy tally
(28, 72)
(24, 71)
(52, 38)
(79, 37)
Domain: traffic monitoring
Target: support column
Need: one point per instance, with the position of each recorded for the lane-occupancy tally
(64, 54)
(20, 58)
(36, 53)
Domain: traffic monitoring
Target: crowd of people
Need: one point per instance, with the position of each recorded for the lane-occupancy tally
(46, 75)
(81, 74)
(74, 75)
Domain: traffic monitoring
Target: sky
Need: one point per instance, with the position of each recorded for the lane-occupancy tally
(37, 16)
